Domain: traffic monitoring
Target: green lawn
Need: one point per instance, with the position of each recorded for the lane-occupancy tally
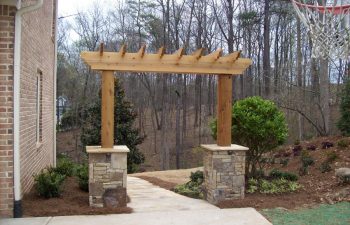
(337, 214)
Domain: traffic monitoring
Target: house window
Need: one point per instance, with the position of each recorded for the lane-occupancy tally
(54, 20)
(39, 107)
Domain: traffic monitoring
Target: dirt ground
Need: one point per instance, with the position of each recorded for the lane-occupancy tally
(316, 188)
(73, 201)
(172, 176)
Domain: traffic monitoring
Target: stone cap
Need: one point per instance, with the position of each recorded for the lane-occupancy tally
(115, 149)
(215, 147)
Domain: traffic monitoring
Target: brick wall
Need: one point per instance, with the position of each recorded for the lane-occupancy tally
(7, 30)
(37, 59)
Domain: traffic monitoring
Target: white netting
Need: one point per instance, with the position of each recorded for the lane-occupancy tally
(329, 25)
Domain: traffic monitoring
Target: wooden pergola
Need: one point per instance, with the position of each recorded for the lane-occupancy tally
(214, 63)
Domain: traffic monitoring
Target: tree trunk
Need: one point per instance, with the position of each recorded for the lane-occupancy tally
(266, 53)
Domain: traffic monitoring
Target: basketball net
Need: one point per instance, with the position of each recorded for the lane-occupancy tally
(328, 23)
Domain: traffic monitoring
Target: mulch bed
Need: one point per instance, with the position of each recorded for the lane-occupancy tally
(317, 187)
(73, 201)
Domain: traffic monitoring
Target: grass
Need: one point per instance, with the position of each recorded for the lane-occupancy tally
(337, 214)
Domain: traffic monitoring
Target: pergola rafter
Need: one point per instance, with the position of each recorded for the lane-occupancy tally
(140, 61)
(196, 63)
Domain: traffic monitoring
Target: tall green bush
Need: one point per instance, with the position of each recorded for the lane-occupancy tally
(124, 131)
(82, 174)
(65, 166)
(344, 121)
(48, 183)
(259, 125)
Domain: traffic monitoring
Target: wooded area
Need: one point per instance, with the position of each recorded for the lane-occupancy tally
(176, 109)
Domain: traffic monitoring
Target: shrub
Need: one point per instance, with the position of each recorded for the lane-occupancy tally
(325, 167)
(277, 174)
(278, 186)
(258, 124)
(65, 166)
(193, 188)
(82, 174)
(275, 186)
(189, 189)
(327, 144)
(253, 185)
(331, 156)
(344, 121)
(343, 143)
(297, 150)
(125, 132)
(326, 164)
(306, 161)
(197, 177)
(48, 183)
(68, 121)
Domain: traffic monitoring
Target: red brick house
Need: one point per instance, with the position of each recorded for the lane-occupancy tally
(27, 96)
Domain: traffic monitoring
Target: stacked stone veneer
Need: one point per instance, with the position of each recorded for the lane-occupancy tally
(224, 172)
(107, 176)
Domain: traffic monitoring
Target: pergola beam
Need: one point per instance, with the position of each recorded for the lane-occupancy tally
(167, 63)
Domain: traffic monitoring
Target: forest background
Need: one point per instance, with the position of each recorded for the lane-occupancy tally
(174, 110)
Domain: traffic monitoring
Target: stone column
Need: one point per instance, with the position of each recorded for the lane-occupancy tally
(224, 172)
(107, 176)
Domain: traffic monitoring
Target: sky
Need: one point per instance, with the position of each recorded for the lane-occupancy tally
(69, 7)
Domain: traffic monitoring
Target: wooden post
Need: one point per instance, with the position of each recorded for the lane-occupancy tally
(224, 110)
(107, 110)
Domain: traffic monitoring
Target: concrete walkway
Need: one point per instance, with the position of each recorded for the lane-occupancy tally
(146, 197)
(153, 205)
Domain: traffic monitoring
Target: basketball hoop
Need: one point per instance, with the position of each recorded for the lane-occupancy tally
(329, 25)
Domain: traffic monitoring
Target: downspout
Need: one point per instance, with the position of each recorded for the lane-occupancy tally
(17, 208)
(55, 89)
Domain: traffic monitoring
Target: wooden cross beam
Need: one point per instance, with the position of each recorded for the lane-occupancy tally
(214, 63)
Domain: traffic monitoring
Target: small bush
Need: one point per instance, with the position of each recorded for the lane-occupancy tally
(277, 174)
(272, 187)
(326, 164)
(197, 177)
(82, 174)
(331, 156)
(253, 185)
(65, 166)
(325, 167)
(258, 124)
(48, 183)
(193, 188)
(297, 150)
(306, 159)
(327, 144)
(343, 143)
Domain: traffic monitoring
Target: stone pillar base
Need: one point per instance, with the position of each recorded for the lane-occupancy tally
(107, 176)
(224, 170)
